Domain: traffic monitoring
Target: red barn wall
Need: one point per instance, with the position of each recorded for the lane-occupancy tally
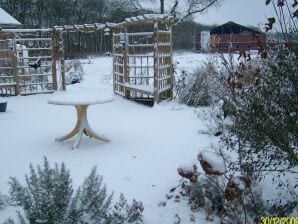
(236, 42)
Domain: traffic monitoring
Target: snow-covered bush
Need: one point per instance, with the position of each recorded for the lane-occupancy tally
(265, 116)
(48, 197)
(231, 196)
(73, 72)
(199, 88)
(123, 213)
(3, 201)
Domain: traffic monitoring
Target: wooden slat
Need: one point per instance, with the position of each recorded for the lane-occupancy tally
(164, 66)
(7, 84)
(140, 66)
(6, 77)
(36, 83)
(140, 34)
(140, 45)
(5, 50)
(141, 77)
(120, 74)
(36, 92)
(140, 55)
(164, 44)
(36, 57)
(26, 66)
(33, 75)
(164, 78)
(33, 39)
(35, 49)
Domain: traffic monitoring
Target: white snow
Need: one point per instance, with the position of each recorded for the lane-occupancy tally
(7, 19)
(85, 98)
(216, 161)
(146, 146)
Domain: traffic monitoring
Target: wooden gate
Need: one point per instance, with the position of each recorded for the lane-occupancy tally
(26, 63)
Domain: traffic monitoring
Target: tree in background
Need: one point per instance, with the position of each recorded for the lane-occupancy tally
(185, 9)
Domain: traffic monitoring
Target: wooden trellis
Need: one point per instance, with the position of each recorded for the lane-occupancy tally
(27, 62)
(142, 58)
(7, 60)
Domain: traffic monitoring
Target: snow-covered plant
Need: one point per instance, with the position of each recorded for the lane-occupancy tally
(47, 194)
(124, 213)
(92, 200)
(9, 221)
(74, 72)
(199, 88)
(233, 197)
(48, 197)
(3, 201)
(265, 117)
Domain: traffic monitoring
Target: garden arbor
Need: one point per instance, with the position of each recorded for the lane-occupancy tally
(32, 60)
(142, 58)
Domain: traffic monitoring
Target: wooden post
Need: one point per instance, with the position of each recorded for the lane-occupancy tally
(125, 64)
(171, 65)
(54, 58)
(114, 58)
(15, 67)
(156, 62)
(61, 45)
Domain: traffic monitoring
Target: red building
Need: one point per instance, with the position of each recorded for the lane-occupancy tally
(230, 37)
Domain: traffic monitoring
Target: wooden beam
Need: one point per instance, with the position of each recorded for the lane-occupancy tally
(15, 72)
(156, 62)
(54, 58)
(62, 61)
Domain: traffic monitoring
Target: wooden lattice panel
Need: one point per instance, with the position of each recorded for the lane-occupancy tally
(34, 64)
(7, 79)
(142, 65)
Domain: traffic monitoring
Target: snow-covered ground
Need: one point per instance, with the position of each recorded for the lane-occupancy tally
(141, 160)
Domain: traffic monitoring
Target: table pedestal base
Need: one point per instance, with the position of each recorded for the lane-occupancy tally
(82, 127)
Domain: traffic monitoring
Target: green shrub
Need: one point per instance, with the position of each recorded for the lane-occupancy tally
(48, 197)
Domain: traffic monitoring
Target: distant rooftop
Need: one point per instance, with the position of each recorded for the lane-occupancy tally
(7, 20)
(233, 28)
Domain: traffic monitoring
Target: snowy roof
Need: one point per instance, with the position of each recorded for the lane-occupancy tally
(7, 20)
(128, 21)
(148, 17)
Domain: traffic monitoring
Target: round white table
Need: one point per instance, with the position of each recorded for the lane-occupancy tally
(81, 103)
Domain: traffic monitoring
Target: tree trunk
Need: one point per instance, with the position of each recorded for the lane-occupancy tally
(162, 6)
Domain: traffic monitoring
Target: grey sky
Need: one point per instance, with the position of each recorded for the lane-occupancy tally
(245, 12)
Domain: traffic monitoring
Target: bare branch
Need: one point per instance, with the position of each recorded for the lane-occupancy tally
(193, 7)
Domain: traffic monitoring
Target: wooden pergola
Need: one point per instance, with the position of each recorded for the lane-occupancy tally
(142, 58)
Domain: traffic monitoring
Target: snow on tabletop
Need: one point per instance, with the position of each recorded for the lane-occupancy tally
(216, 161)
(80, 99)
